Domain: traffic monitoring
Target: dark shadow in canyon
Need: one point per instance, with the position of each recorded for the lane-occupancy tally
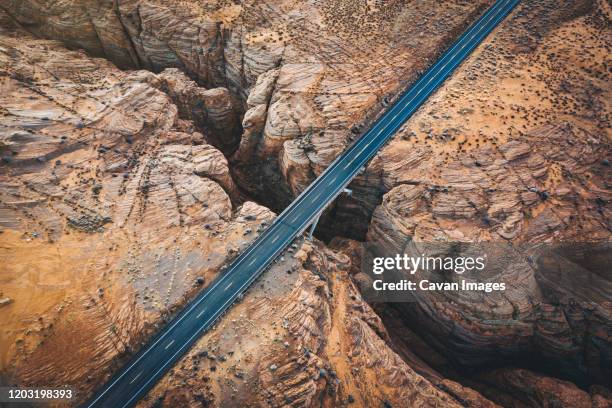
(349, 217)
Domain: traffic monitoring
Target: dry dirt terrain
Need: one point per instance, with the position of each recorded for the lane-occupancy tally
(303, 73)
(112, 208)
(144, 143)
(514, 150)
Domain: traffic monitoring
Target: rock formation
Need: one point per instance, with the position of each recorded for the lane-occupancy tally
(505, 154)
(302, 337)
(515, 387)
(115, 209)
(124, 192)
(317, 68)
(111, 207)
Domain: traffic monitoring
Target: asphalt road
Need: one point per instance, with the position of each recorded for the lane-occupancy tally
(139, 375)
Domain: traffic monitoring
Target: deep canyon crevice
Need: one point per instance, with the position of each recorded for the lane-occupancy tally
(505, 151)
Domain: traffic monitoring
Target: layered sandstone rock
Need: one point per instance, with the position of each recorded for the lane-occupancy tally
(114, 210)
(513, 150)
(516, 387)
(303, 336)
(111, 208)
(305, 72)
(211, 110)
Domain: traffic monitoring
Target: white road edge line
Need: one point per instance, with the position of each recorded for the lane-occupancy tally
(492, 16)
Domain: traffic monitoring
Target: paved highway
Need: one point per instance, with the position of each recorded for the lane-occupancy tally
(140, 374)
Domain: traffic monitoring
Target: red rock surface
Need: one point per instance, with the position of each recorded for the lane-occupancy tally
(111, 206)
(114, 196)
(515, 150)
